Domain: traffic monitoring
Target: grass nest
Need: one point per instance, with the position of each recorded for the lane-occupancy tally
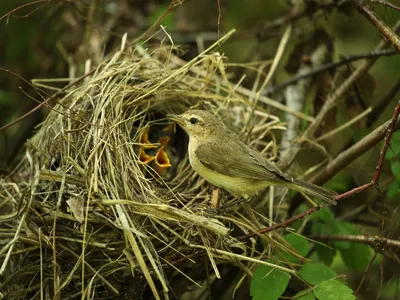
(103, 202)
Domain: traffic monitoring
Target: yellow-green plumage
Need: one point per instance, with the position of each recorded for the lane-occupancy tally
(218, 155)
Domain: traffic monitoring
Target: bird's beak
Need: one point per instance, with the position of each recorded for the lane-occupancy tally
(176, 118)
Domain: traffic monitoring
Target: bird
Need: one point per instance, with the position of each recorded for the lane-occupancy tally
(218, 155)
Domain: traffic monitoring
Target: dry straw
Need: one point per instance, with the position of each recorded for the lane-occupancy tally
(82, 216)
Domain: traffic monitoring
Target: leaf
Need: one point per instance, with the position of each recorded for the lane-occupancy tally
(357, 256)
(268, 283)
(394, 149)
(321, 228)
(314, 273)
(333, 289)
(297, 242)
(393, 190)
(395, 166)
(157, 13)
(343, 228)
(325, 253)
(340, 182)
(307, 295)
(325, 215)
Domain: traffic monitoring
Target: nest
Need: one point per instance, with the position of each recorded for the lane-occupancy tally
(103, 202)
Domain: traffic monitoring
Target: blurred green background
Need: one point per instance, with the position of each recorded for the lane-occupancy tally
(54, 39)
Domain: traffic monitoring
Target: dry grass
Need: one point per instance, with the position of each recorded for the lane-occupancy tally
(83, 217)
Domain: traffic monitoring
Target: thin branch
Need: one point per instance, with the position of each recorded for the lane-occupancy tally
(387, 4)
(295, 96)
(365, 273)
(41, 2)
(322, 68)
(333, 99)
(377, 242)
(294, 16)
(385, 30)
(383, 103)
(388, 129)
(45, 102)
(349, 155)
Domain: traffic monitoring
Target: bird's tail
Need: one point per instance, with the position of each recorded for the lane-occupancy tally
(314, 190)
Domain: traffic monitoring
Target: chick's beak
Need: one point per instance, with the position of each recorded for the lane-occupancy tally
(176, 118)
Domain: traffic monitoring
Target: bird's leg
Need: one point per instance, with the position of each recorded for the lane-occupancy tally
(233, 203)
(215, 199)
(216, 210)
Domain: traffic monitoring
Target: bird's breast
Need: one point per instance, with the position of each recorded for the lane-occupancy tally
(242, 187)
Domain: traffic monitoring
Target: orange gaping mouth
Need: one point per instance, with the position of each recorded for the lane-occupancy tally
(147, 151)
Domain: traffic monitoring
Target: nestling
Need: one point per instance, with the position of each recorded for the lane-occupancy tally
(218, 155)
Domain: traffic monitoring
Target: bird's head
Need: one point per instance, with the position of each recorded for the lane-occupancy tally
(197, 123)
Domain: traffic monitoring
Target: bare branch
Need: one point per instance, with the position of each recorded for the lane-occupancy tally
(385, 30)
(333, 100)
(321, 68)
(386, 133)
(377, 242)
(385, 3)
(348, 156)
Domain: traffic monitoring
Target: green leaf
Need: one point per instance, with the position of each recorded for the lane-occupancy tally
(315, 273)
(393, 190)
(394, 149)
(325, 253)
(325, 215)
(4, 97)
(339, 183)
(357, 256)
(395, 166)
(333, 289)
(159, 10)
(268, 283)
(321, 228)
(343, 228)
(297, 242)
(307, 295)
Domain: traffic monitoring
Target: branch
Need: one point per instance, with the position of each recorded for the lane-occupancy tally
(389, 128)
(383, 103)
(385, 3)
(377, 242)
(41, 2)
(349, 155)
(385, 30)
(333, 100)
(322, 68)
(45, 102)
(295, 96)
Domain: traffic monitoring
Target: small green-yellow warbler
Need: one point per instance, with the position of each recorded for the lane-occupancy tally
(218, 155)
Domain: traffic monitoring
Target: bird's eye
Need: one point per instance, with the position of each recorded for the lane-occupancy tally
(193, 120)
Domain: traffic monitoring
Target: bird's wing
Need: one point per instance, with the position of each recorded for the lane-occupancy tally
(238, 160)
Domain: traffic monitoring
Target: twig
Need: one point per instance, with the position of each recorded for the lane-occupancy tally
(365, 274)
(389, 131)
(295, 97)
(387, 134)
(377, 242)
(385, 30)
(293, 17)
(321, 68)
(333, 99)
(385, 3)
(45, 102)
(383, 103)
(150, 31)
(349, 155)
(42, 2)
